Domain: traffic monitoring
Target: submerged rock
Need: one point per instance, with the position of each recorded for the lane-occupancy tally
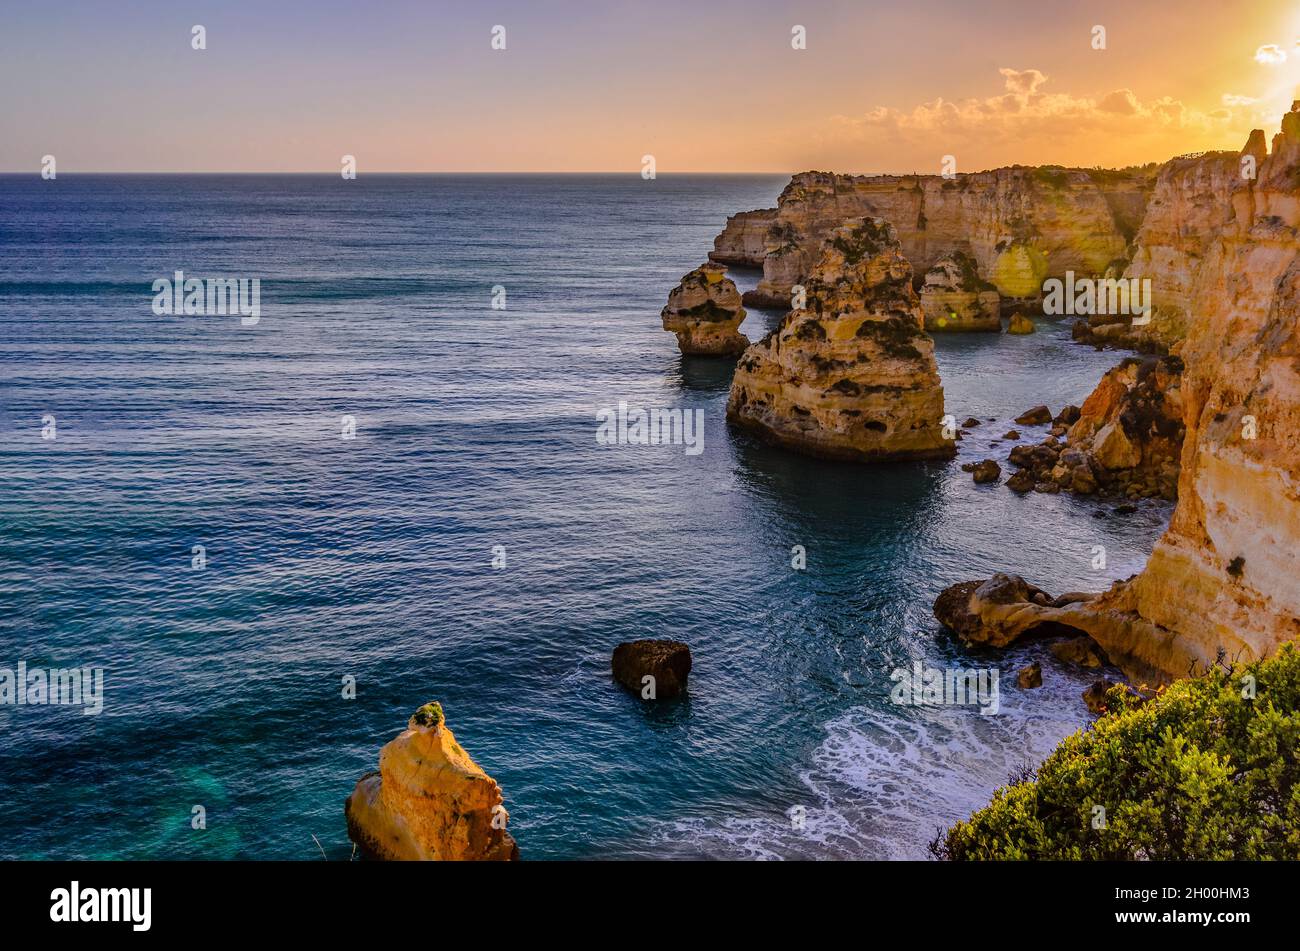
(853, 375)
(704, 311)
(668, 663)
(429, 800)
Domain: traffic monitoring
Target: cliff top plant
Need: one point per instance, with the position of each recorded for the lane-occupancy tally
(1209, 769)
(430, 715)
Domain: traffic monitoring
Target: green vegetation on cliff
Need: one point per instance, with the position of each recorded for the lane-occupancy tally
(1209, 769)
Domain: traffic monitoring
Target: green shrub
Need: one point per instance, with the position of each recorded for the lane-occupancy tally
(1203, 771)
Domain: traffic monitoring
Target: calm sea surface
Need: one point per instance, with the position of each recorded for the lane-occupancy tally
(475, 427)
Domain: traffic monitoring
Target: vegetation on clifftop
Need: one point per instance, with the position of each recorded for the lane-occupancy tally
(1209, 769)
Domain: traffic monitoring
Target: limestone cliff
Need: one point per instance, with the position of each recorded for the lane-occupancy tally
(853, 375)
(743, 241)
(955, 298)
(1190, 208)
(429, 800)
(1224, 580)
(1020, 225)
(704, 311)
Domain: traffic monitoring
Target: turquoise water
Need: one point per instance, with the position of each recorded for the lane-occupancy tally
(475, 427)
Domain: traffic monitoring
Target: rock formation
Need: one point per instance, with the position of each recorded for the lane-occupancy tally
(704, 311)
(668, 662)
(1126, 439)
(1020, 324)
(955, 298)
(1224, 580)
(853, 375)
(1019, 224)
(1190, 208)
(429, 800)
(743, 241)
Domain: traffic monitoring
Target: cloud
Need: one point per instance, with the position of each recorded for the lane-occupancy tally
(1229, 99)
(1027, 122)
(1023, 82)
(1270, 54)
(1121, 102)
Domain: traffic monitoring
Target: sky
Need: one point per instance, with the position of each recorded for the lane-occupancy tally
(713, 86)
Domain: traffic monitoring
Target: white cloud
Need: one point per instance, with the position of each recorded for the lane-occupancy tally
(1270, 54)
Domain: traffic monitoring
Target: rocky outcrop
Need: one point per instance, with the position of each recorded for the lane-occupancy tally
(1222, 581)
(429, 800)
(1190, 208)
(666, 664)
(1000, 611)
(1126, 439)
(853, 375)
(704, 311)
(956, 299)
(743, 242)
(1019, 224)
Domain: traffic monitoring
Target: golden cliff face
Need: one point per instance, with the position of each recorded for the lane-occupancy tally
(743, 241)
(1020, 225)
(1223, 583)
(852, 375)
(1226, 574)
(429, 801)
(704, 311)
(1190, 208)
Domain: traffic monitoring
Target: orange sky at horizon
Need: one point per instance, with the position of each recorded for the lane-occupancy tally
(406, 88)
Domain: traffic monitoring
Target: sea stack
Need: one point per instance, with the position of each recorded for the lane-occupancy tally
(956, 299)
(852, 375)
(429, 801)
(704, 311)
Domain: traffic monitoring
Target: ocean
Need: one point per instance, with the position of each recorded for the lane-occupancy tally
(327, 558)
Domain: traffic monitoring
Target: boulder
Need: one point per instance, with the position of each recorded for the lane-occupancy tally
(986, 470)
(1035, 417)
(1020, 324)
(1081, 651)
(1030, 677)
(668, 662)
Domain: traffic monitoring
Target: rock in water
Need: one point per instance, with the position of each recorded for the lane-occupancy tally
(853, 375)
(704, 311)
(986, 471)
(1078, 650)
(1020, 324)
(955, 298)
(428, 801)
(1030, 677)
(1035, 417)
(668, 662)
